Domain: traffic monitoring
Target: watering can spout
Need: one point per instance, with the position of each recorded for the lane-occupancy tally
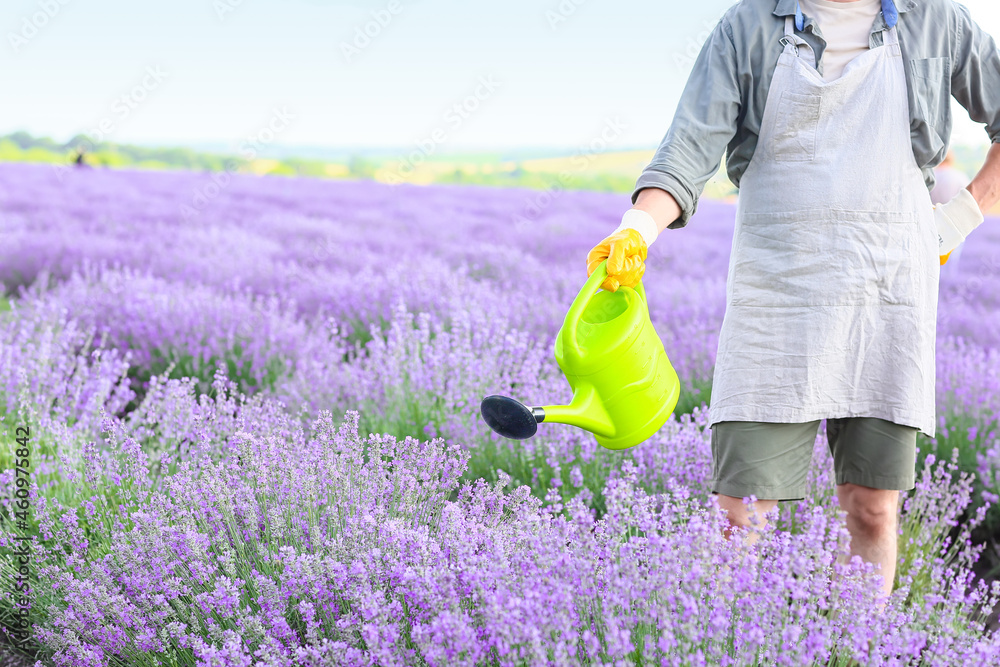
(585, 411)
(512, 419)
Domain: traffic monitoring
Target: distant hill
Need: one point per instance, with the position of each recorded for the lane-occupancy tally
(22, 147)
(612, 172)
(537, 169)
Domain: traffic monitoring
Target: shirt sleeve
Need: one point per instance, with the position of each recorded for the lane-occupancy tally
(975, 78)
(703, 125)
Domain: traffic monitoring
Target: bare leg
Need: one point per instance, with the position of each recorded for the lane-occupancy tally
(739, 515)
(872, 523)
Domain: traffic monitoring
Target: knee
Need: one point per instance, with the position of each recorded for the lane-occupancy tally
(743, 515)
(870, 511)
(736, 512)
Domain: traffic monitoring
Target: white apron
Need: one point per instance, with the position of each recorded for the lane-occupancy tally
(833, 280)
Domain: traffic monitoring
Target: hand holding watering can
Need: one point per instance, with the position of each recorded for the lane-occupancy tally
(624, 388)
(625, 250)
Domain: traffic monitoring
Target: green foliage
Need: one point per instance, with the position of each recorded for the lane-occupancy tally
(65, 484)
(282, 169)
(695, 393)
(108, 158)
(966, 436)
(531, 466)
(360, 332)
(46, 453)
(361, 168)
(927, 530)
(533, 180)
(175, 364)
(49, 462)
(963, 435)
(10, 151)
(303, 167)
(402, 413)
(22, 147)
(403, 409)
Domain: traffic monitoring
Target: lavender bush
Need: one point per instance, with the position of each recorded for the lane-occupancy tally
(320, 547)
(195, 502)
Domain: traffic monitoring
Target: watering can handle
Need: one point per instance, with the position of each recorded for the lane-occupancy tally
(587, 293)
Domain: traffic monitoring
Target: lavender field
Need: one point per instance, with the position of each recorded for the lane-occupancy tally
(240, 426)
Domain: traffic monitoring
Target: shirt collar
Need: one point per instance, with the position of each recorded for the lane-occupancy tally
(787, 7)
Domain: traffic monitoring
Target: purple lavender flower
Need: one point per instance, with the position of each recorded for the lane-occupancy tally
(195, 502)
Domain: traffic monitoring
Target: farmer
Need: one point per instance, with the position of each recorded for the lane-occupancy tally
(834, 114)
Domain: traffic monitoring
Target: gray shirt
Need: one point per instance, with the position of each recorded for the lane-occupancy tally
(945, 54)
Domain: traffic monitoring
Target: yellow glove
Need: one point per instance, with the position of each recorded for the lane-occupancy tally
(625, 251)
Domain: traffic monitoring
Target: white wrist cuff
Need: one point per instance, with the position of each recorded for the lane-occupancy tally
(956, 220)
(642, 222)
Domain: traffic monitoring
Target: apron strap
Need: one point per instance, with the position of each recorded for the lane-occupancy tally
(890, 37)
(792, 41)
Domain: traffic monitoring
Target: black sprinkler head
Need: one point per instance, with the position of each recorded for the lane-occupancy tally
(511, 419)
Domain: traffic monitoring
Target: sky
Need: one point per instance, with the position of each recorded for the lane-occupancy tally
(448, 75)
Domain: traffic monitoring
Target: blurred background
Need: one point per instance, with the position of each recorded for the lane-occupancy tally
(572, 94)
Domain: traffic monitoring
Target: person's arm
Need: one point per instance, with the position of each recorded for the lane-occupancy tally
(704, 123)
(985, 187)
(975, 83)
(667, 191)
(660, 205)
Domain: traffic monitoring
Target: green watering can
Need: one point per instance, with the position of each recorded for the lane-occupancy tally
(624, 388)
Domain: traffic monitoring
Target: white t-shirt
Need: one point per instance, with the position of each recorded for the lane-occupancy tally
(846, 27)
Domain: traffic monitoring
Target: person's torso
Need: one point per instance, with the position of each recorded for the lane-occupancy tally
(756, 27)
(831, 293)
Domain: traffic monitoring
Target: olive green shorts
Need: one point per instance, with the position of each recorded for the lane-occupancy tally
(770, 461)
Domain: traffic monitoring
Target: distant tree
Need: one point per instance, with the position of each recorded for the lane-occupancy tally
(360, 167)
(306, 167)
(23, 140)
